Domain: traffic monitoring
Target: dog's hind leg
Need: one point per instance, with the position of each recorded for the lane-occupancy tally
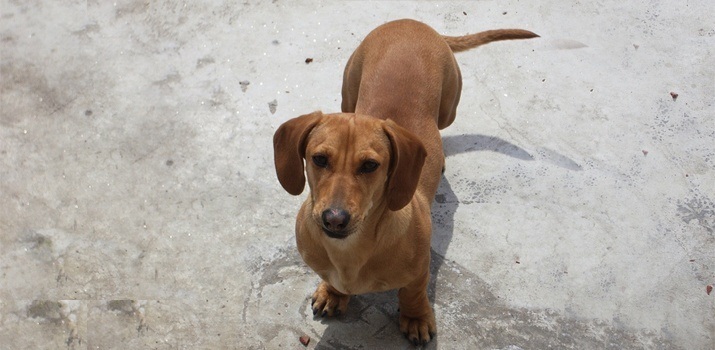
(451, 92)
(351, 85)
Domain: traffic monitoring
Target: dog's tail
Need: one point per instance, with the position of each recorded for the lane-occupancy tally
(466, 42)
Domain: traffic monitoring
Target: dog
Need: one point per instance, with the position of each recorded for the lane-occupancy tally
(373, 170)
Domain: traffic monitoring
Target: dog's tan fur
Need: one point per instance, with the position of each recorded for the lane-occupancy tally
(400, 86)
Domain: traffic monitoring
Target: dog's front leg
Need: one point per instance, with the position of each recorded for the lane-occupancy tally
(417, 321)
(327, 301)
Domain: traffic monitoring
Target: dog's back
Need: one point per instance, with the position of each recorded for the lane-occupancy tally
(413, 66)
(405, 71)
(396, 73)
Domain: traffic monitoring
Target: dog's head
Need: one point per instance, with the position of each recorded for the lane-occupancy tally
(354, 164)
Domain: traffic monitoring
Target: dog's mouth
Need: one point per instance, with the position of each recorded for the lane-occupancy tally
(336, 234)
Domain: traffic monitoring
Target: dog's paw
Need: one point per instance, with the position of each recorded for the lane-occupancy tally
(327, 301)
(419, 330)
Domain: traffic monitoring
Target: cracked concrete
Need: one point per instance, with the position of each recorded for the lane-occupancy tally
(140, 207)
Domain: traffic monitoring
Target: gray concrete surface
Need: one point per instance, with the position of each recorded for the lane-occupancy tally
(140, 209)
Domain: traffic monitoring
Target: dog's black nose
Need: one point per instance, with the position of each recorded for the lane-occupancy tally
(335, 220)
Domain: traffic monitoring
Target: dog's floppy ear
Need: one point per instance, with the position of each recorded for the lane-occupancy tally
(289, 144)
(406, 161)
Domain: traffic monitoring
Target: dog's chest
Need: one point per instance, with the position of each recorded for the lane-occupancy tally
(354, 281)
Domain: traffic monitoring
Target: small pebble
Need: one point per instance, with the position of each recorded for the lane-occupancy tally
(674, 95)
(305, 340)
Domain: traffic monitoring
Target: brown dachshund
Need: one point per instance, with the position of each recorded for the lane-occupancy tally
(373, 170)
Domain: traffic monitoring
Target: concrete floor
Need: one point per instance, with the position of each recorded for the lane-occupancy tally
(140, 208)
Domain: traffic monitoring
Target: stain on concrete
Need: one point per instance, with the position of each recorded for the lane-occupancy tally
(285, 263)
(65, 318)
(125, 306)
(25, 83)
(133, 308)
(480, 191)
(88, 29)
(244, 85)
(205, 61)
(46, 309)
(131, 8)
(220, 98)
(700, 210)
(170, 79)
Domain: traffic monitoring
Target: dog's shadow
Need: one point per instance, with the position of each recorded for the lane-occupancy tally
(372, 319)
(475, 142)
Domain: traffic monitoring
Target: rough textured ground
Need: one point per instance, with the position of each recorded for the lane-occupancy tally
(139, 206)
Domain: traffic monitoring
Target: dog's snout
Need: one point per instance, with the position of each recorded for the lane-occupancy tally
(335, 220)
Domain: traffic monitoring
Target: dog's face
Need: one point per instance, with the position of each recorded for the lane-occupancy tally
(354, 164)
(347, 160)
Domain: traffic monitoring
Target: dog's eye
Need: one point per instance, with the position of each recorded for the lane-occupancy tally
(320, 161)
(369, 166)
